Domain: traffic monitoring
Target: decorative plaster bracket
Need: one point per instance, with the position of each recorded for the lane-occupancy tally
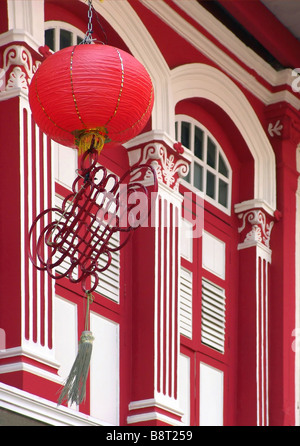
(168, 161)
(256, 227)
(18, 69)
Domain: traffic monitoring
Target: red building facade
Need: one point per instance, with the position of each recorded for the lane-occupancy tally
(196, 320)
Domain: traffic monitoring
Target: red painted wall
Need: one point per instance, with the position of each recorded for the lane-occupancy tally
(10, 266)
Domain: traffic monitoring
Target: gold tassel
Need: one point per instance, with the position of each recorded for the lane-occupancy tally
(85, 138)
(74, 390)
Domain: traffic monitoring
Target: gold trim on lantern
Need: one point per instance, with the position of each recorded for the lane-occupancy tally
(43, 108)
(121, 88)
(72, 88)
(139, 120)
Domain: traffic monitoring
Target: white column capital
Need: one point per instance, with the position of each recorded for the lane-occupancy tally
(257, 221)
(17, 68)
(164, 154)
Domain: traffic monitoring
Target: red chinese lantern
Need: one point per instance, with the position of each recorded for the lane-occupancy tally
(88, 91)
(83, 97)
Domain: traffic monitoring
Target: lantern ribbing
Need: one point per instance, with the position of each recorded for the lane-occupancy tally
(72, 87)
(121, 89)
(97, 89)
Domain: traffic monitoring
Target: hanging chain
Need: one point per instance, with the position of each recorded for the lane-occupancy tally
(88, 35)
(90, 16)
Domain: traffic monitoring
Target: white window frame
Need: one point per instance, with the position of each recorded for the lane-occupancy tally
(194, 123)
(57, 25)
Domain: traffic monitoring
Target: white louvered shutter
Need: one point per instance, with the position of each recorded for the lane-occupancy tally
(109, 280)
(213, 316)
(186, 303)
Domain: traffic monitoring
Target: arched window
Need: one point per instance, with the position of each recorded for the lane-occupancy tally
(210, 171)
(207, 292)
(59, 35)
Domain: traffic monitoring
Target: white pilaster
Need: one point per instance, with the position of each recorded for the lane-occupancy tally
(169, 166)
(27, 16)
(255, 229)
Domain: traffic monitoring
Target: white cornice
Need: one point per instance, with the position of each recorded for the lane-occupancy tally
(151, 416)
(155, 402)
(43, 410)
(218, 56)
(155, 135)
(24, 367)
(13, 93)
(30, 353)
(253, 204)
(19, 35)
(233, 43)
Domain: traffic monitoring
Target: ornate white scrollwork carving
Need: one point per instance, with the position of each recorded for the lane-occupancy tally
(17, 79)
(169, 168)
(18, 68)
(260, 227)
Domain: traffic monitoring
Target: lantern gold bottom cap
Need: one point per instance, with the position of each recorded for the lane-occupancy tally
(90, 139)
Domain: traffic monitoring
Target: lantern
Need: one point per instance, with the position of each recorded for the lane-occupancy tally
(91, 91)
(83, 97)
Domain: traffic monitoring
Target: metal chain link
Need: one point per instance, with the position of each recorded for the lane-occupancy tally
(90, 16)
(88, 35)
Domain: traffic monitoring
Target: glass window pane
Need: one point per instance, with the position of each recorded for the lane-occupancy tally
(185, 134)
(222, 166)
(211, 153)
(65, 38)
(223, 193)
(79, 40)
(198, 176)
(188, 176)
(176, 131)
(210, 184)
(49, 38)
(198, 143)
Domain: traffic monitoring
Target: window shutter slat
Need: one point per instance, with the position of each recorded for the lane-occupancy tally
(186, 308)
(213, 316)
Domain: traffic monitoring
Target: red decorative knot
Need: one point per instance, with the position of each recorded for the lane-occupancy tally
(45, 51)
(178, 147)
(79, 233)
(91, 88)
(277, 215)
